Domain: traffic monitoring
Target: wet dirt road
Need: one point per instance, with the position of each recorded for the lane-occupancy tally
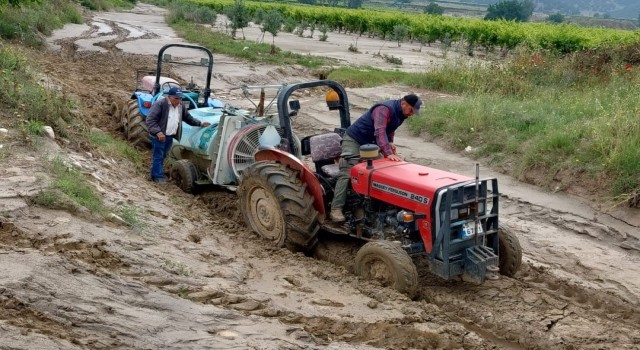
(193, 276)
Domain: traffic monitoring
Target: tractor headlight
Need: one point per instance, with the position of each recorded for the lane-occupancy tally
(459, 213)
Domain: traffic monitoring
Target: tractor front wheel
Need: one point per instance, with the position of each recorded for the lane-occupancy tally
(510, 252)
(135, 129)
(185, 175)
(277, 206)
(388, 263)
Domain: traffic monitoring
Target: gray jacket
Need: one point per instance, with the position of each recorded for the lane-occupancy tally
(159, 115)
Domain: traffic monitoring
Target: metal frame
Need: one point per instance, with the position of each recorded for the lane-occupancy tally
(207, 89)
(283, 106)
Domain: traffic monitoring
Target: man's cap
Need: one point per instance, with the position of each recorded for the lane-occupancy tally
(414, 101)
(175, 91)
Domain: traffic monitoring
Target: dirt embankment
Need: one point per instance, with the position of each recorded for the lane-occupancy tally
(190, 275)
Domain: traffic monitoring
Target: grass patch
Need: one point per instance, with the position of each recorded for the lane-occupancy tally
(35, 127)
(177, 267)
(368, 77)
(50, 199)
(26, 100)
(115, 148)
(547, 113)
(132, 217)
(70, 181)
(106, 5)
(30, 22)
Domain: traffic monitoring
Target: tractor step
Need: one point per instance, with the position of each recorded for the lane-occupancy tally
(480, 263)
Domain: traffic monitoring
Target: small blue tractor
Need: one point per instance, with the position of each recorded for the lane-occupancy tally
(152, 85)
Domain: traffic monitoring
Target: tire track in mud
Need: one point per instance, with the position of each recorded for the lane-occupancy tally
(19, 312)
(95, 258)
(534, 310)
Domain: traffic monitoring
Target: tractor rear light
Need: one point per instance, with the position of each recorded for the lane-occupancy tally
(146, 104)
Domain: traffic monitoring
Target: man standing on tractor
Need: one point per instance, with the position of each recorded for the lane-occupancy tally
(378, 126)
(164, 124)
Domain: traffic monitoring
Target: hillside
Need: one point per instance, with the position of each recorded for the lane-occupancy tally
(628, 9)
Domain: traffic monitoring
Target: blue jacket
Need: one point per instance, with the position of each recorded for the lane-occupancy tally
(363, 129)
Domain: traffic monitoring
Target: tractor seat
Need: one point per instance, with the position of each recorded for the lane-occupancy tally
(325, 150)
(149, 81)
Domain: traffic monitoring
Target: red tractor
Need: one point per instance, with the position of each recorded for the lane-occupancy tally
(399, 209)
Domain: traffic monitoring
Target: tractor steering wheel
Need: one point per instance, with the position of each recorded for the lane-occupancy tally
(164, 88)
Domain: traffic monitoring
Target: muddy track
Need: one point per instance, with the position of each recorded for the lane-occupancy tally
(207, 272)
(534, 310)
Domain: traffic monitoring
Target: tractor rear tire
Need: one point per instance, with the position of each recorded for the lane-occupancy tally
(276, 205)
(388, 263)
(135, 129)
(185, 175)
(510, 252)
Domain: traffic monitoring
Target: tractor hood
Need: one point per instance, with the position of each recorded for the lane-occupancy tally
(407, 185)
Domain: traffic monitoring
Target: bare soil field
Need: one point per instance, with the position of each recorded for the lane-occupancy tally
(192, 276)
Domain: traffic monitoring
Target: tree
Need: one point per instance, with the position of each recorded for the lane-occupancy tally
(239, 16)
(272, 23)
(510, 10)
(434, 9)
(555, 18)
(400, 32)
(354, 4)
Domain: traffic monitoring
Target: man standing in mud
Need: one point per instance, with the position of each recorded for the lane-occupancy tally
(164, 124)
(377, 125)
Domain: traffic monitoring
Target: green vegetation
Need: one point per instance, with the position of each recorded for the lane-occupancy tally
(543, 113)
(28, 21)
(538, 112)
(25, 100)
(132, 217)
(248, 50)
(106, 5)
(501, 34)
(434, 9)
(35, 127)
(177, 267)
(70, 181)
(510, 10)
(239, 17)
(190, 13)
(115, 148)
(555, 18)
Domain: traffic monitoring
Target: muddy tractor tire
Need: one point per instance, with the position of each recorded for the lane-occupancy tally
(134, 127)
(388, 263)
(185, 174)
(510, 252)
(277, 206)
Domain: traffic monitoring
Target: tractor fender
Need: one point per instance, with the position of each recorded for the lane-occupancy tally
(306, 174)
(143, 97)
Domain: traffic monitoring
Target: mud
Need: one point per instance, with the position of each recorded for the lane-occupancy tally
(191, 275)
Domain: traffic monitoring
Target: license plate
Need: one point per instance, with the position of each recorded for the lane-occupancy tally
(469, 229)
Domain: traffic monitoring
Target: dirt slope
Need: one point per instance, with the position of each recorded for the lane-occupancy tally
(194, 277)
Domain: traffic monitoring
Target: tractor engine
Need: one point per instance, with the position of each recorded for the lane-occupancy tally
(375, 219)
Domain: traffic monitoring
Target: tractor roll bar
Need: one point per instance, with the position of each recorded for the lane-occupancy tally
(283, 106)
(207, 89)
